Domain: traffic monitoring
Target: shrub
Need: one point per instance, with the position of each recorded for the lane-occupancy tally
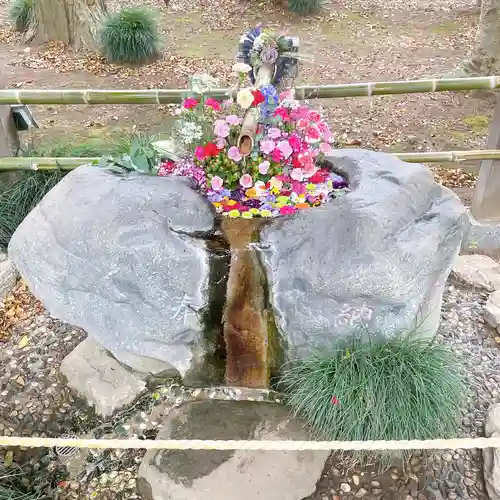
(20, 14)
(20, 197)
(383, 390)
(130, 36)
(304, 7)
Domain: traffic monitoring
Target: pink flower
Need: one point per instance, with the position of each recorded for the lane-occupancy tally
(227, 103)
(264, 167)
(220, 143)
(300, 112)
(334, 400)
(298, 187)
(190, 103)
(234, 153)
(233, 120)
(323, 127)
(285, 148)
(314, 116)
(216, 183)
(246, 181)
(212, 103)
(309, 169)
(313, 134)
(287, 94)
(325, 148)
(277, 155)
(302, 123)
(287, 210)
(221, 128)
(297, 175)
(199, 152)
(267, 145)
(294, 141)
(328, 136)
(274, 133)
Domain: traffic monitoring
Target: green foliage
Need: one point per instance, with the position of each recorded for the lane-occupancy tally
(130, 36)
(20, 197)
(304, 7)
(382, 390)
(20, 14)
(142, 158)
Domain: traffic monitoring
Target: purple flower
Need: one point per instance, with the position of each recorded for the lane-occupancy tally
(252, 203)
(269, 55)
(214, 197)
(267, 146)
(238, 194)
(234, 154)
(233, 120)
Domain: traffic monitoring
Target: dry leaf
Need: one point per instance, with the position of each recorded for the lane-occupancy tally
(9, 459)
(24, 341)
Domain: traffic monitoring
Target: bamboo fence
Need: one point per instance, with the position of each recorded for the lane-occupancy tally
(47, 163)
(170, 96)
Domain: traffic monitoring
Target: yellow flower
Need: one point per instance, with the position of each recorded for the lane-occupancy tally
(234, 214)
(231, 203)
(282, 199)
(254, 211)
(216, 204)
(244, 98)
(311, 186)
(275, 191)
(246, 215)
(266, 213)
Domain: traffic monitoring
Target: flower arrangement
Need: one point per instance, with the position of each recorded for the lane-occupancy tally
(281, 175)
(258, 153)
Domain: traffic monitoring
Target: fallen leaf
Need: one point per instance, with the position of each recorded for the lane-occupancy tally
(9, 459)
(24, 341)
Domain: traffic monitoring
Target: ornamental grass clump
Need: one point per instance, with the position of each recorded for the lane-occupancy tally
(130, 37)
(402, 389)
(20, 14)
(304, 7)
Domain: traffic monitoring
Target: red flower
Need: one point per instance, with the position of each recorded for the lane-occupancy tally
(210, 149)
(258, 97)
(212, 103)
(335, 401)
(296, 163)
(276, 155)
(283, 112)
(190, 103)
(317, 178)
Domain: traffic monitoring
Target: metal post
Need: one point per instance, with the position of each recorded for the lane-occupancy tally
(486, 201)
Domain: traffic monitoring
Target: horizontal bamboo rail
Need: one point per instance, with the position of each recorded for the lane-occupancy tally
(47, 163)
(170, 96)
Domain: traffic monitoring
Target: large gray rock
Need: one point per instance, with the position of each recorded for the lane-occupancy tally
(378, 257)
(225, 475)
(123, 258)
(8, 276)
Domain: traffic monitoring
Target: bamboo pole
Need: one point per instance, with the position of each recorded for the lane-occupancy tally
(47, 163)
(170, 96)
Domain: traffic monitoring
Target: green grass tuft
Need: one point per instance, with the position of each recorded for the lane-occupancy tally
(20, 197)
(20, 14)
(386, 390)
(304, 7)
(130, 36)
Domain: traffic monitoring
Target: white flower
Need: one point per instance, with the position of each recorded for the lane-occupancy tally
(190, 132)
(202, 83)
(244, 98)
(241, 67)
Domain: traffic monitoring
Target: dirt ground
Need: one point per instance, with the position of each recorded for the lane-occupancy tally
(349, 41)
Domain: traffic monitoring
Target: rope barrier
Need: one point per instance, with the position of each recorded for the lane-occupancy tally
(199, 444)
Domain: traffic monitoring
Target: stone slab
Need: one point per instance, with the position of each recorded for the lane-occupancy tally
(491, 456)
(230, 475)
(99, 379)
(478, 271)
(492, 310)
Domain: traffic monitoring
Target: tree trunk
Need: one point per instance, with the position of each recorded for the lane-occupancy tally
(73, 22)
(485, 57)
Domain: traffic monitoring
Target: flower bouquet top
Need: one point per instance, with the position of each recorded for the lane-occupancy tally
(259, 152)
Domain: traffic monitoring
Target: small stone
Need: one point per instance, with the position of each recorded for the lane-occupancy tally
(346, 488)
(335, 472)
(408, 497)
(355, 480)
(376, 491)
(452, 495)
(447, 457)
(376, 484)
(20, 380)
(361, 493)
(468, 481)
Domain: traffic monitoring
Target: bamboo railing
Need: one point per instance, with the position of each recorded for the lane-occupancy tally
(47, 163)
(170, 96)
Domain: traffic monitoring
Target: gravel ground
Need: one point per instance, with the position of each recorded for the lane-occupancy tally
(35, 401)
